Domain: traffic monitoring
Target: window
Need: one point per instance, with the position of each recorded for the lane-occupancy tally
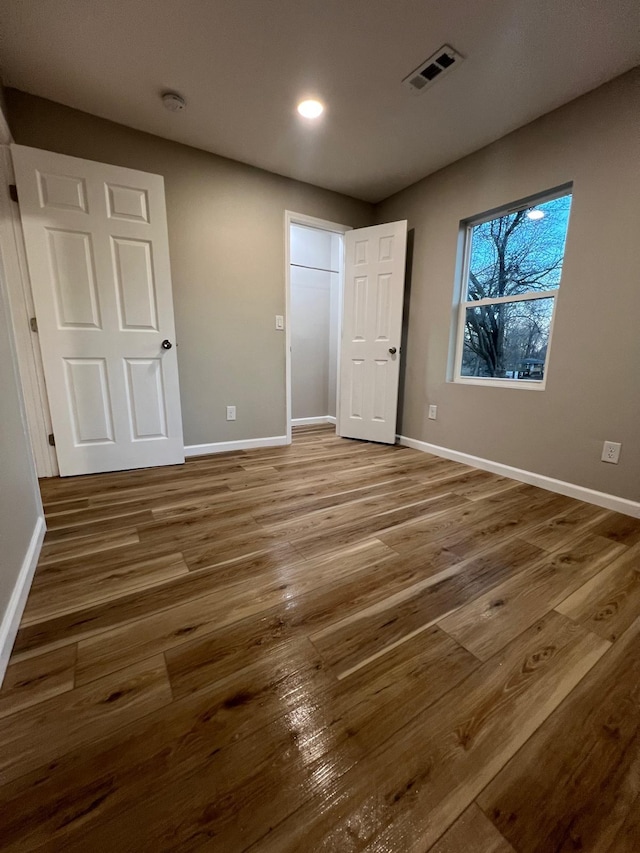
(511, 275)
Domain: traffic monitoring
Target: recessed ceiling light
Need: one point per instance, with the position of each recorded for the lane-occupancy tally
(310, 108)
(535, 213)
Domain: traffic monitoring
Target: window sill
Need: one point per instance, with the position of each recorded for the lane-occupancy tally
(526, 384)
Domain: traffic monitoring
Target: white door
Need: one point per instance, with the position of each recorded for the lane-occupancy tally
(371, 330)
(98, 256)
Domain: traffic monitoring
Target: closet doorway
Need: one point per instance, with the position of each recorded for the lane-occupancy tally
(314, 306)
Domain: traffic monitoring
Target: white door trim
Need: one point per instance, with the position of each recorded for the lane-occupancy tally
(292, 218)
(30, 367)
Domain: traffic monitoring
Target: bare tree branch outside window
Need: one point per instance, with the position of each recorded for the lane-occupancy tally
(514, 255)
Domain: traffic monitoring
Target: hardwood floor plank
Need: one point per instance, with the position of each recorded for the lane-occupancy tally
(406, 680)
(285, 487)
(587, 758)
(351, 514)
(499, 514)
(88, 515)
(43, 732)
(71, 802)
(278, 593)
(292, 494)
(245, 653)
(346, 534)
(94, 618)
(225, 803)
(79, 565)
(33, 681)
(610, 602)
(472, 831)
(481, 484)
(203, 486)
(507, 523)
(96, 528)
(405, 794)
(196, 530)
(214, 655)
(211, 551)
(311, 452)
(355, 639)
(421, 466)
(490, 621)
(354, 462)
(320, 498)
(325, 728)
(627, 838)
(620, 528)
(147, 480)
(560, 530)
(52, 509)
(54, 552)
(60, 596)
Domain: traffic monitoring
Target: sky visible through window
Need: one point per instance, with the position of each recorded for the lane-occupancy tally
(512, 255)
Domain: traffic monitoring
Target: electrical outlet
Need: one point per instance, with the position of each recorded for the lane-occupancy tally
(611, 452)
(279, 322)
(231, 413)
(433, 412)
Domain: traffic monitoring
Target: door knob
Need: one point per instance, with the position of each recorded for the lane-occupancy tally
(393, 350)
(166, 344)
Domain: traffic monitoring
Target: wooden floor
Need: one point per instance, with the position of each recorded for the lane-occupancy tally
(334, 646)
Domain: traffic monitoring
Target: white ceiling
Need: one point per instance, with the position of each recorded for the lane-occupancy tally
(243, 64)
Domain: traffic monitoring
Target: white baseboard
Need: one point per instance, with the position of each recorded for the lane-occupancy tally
(243, 444)
(13, 613)
(571, 490)
(325, 419)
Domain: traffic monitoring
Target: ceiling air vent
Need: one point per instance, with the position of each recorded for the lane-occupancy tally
(433, 69)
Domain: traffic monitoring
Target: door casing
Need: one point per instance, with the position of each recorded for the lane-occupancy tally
(30, 365)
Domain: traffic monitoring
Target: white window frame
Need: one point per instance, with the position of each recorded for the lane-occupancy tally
(466, 234)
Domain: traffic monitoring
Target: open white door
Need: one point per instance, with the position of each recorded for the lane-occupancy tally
(371, 328)
(98, 256)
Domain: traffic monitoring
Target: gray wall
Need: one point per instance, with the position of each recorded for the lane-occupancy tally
(226, 238)
(226, 234)
(593, 377)
(20, 505)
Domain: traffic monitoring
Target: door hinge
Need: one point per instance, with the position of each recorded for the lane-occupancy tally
(33, 323)
(52, 440)
(13, 193)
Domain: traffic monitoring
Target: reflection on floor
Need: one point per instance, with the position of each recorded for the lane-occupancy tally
(334, 646)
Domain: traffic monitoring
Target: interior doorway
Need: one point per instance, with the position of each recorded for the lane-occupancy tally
(315, 255)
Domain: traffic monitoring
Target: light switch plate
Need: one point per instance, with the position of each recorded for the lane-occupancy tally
(279, 322)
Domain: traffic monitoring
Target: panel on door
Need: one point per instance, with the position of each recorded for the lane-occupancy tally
(372, 325)
(98, 256)
(89, 401)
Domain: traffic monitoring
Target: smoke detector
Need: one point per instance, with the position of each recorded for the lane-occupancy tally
(173, 102)
(433, 69)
